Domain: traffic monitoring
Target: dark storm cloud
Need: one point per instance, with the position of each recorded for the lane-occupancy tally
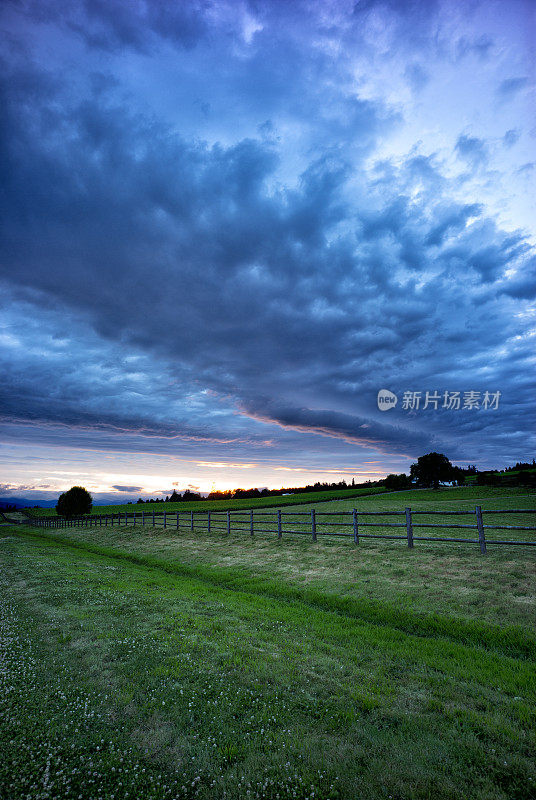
(128, 488)
(356, 430)
(281, 284)
(523, 284)
(113, 25)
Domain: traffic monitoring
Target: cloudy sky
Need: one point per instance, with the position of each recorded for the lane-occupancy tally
(226, 225)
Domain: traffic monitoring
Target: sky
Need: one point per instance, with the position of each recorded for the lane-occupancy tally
(226, 226)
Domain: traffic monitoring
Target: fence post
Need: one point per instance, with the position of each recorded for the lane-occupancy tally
(153, 517)
(208, 521)
(409, 527)
(126, 518)
(279, 527)
(143, 517)
(164, 519)
(251, 522)
(134, 519)
(191, 520)
(480, 526)
(313, 524)
(356, 529)
(177, 520)
(228, 522)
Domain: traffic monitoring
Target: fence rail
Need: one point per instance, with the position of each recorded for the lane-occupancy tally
(314, 523)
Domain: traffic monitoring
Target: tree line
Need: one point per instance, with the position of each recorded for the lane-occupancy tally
(429, 471)
(434, 469)
(244, 494)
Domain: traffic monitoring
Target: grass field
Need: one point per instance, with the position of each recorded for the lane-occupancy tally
(143, 663)
(506, 478)
(277, 501)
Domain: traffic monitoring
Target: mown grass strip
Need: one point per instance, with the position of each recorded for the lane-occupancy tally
(242, 684)
(511, 641)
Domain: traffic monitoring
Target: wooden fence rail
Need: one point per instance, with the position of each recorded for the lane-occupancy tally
(312, 523)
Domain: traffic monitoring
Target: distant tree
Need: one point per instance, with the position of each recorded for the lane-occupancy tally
(140, 500)
(397, 482)
(432, 469)
(175, 497)
(221, 495)
(487, 478)
(527, 479)
(458, 475)
(74, 502)
(244, 494)
(188, 495)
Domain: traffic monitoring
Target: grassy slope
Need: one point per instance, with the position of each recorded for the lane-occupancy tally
(222, 505)
(244, 693)
(438, 578)
(505, 477)
(465, 498)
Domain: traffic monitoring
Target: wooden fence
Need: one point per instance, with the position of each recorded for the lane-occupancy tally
(311, 523)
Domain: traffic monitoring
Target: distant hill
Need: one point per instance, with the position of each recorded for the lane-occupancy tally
(24, 502)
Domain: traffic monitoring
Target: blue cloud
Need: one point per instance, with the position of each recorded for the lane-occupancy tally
(472, 149)
(260, 280)
(511, 86)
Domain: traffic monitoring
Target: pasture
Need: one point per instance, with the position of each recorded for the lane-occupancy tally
(142, 663)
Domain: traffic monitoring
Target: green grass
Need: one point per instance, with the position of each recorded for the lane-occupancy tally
(506, 478)
(220, 666)
(222, 505)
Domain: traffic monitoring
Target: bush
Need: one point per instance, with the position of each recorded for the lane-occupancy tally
(397, 482)
(74, 502)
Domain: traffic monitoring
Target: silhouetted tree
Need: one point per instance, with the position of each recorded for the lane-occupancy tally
(74, 502)
(431, 469)
(188, 495)
(397, 482)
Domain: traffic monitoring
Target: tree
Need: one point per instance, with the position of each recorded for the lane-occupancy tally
(188, 495)
(431, 469)
(397, 482)
(74, 502)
